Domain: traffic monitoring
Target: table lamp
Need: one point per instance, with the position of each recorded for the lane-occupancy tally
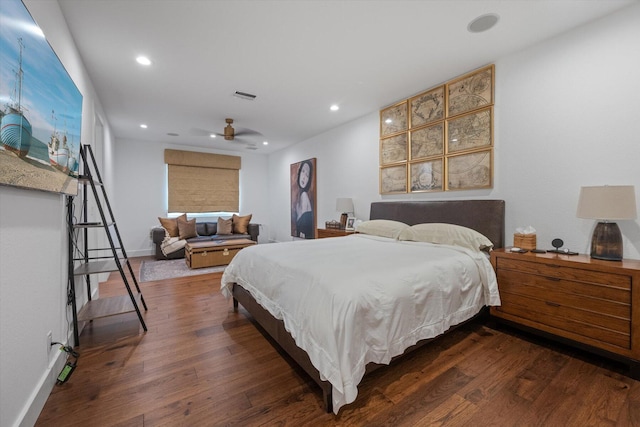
(607, 203)
(344, 205)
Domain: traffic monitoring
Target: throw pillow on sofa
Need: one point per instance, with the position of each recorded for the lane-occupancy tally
(241, 224)
(171, 225)
(171, 245)
(225, 226)
(186, 228)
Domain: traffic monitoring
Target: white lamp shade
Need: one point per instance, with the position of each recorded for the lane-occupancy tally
(608, 202)
(344, 205)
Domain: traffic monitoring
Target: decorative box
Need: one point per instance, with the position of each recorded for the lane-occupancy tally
(333, 225)
(524, 241)
(213, 253)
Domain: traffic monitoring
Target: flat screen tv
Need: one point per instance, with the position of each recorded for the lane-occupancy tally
(40, 108)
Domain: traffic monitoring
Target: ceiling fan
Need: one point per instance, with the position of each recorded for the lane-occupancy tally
(229, 133)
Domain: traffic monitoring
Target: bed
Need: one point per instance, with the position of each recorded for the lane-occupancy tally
(341, 306)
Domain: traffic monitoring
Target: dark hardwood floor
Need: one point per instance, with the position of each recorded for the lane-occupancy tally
(201, 364)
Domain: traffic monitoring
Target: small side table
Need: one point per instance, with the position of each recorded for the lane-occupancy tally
(332, 232)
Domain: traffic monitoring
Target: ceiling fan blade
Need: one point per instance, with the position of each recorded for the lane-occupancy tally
(244, 131)
(236, 140)
(201, 132)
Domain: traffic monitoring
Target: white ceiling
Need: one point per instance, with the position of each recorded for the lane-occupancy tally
(298, 57)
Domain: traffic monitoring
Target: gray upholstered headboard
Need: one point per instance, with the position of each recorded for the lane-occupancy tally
(484, 216)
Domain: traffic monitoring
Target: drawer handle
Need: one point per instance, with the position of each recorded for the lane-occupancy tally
(552, 304)
(554, 279)
(225, 252)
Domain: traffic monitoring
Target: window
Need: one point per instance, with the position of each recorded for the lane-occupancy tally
(202, 182)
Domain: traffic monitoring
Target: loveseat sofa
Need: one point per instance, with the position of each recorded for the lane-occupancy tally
(206, 231)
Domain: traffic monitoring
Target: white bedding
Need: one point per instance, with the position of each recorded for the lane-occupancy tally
(353, 300)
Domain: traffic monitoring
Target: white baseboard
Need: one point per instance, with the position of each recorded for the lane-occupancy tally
(140, 252)
(34, 406)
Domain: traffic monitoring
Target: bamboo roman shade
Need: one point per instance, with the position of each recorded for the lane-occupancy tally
(202, 182)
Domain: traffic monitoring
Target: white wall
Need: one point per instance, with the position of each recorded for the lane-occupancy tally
(343, 169)
(566, 116)
(33, 260)
(139, 195)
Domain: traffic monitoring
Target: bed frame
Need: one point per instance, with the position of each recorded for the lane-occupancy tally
(485, 216)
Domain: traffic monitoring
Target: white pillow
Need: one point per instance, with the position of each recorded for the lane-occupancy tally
(447, 234)
(382, 228)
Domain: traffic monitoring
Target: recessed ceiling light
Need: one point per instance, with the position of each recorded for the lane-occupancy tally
(334, 107)
(483, 23)
(213, 135)
(143, 126)
(143, 60)
(265, 143)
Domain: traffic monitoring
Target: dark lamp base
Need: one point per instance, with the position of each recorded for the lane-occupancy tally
(343, 220)
(606, 243)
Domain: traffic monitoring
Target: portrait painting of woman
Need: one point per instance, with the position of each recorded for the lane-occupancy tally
(303, 199)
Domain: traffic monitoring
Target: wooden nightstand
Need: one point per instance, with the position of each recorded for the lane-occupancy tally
(332, 232)
(589, 303)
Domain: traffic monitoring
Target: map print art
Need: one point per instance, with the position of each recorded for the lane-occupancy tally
(471, 92)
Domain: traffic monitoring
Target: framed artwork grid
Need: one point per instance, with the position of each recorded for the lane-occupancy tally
(440, 139)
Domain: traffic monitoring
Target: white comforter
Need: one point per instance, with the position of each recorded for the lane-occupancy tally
(353, 300)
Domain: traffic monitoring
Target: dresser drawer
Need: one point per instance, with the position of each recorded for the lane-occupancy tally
(560, 272)
(598, 299)
(572, 320)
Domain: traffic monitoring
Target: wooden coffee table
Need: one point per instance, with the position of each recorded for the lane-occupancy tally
(213, 253)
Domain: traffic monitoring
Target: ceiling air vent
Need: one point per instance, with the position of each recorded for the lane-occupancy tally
(244, 95)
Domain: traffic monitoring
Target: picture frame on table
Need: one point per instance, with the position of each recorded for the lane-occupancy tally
(351, 224)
